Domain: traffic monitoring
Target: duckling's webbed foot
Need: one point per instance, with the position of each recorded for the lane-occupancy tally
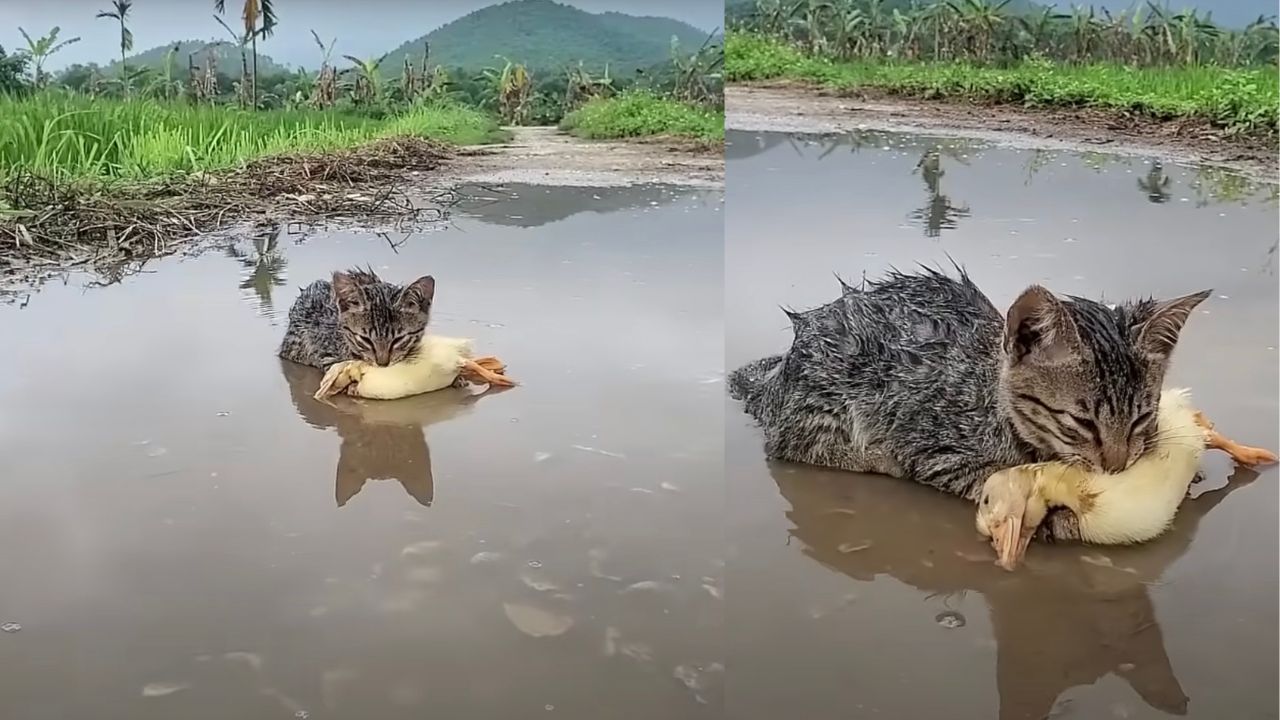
(487, 370)
(1060, 525)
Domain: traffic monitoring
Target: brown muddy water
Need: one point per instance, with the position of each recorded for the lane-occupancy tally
(184, 533)
(854, 596)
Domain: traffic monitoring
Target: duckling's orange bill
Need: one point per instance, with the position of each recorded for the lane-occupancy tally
(1010, 541)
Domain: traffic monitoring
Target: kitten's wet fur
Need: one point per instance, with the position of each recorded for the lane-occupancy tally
(919, 376)
(357, 316)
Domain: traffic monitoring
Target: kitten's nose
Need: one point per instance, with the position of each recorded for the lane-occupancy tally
(1115, 459)
(382, 356)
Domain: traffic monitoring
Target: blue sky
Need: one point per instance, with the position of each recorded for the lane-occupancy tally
(363, 28)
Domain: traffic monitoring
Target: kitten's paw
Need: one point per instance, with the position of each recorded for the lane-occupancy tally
(340, 377)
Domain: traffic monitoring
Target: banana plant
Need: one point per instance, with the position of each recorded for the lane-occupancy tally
(366, 87)
(512, 87)
(40, 50)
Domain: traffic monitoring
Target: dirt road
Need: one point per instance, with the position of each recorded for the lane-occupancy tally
(792, 108)
(546, 156)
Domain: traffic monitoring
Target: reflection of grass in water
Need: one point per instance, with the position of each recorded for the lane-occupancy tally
(1217, 185)
(1211, 185)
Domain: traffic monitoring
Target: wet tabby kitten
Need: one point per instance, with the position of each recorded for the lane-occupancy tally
(919, 376)
(357, 316)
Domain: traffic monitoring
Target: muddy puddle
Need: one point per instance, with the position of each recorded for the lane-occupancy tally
(186, 533)
(862, 597)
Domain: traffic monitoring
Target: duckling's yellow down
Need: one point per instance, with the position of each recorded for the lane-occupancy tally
(435, 367)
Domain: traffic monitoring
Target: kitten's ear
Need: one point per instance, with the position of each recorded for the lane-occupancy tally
(418, 293)
(346, 292)
(1038, 327)
(1158, 333)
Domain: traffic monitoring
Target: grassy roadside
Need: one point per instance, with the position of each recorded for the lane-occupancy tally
(104, 181)
(1238, 101)
(644, 114)
(75, 138)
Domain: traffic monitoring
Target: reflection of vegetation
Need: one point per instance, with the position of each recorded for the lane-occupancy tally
(938, 213)
(265, 266)
(1155, 183)
(1211, 185)
(1214, 185)
(1036, 160)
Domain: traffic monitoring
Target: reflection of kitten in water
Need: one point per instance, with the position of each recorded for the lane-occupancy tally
(1080, 614)
(381, 440)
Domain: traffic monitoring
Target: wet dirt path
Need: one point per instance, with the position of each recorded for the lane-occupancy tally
(790, 107)
(546, 156)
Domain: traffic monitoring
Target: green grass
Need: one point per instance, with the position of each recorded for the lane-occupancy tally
(643, 114)
(1245, 101)
(72, 137)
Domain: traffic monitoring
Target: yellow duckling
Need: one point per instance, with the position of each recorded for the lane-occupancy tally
(439, 363)
(1131, 506)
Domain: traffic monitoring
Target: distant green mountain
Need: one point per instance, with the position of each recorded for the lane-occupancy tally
(546, 35)
(227, 54)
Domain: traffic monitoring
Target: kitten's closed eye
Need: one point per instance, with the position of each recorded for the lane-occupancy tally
(1139, 423)
(362, 341)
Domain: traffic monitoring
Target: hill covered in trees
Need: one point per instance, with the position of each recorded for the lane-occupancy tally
(544, 34)
(227, 55)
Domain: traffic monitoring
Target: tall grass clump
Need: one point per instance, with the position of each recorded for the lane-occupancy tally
(71, 136)
(448, 121)
(642, 113)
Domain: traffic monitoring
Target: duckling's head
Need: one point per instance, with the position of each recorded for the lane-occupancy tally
(1009, 512)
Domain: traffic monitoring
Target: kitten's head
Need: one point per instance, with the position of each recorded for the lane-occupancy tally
(381, 323)
(1082, 380)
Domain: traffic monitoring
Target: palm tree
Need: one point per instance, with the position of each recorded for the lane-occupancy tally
(252, 12)
(41, 49)
(120, 13)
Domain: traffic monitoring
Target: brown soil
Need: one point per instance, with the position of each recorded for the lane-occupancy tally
(797, 107)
